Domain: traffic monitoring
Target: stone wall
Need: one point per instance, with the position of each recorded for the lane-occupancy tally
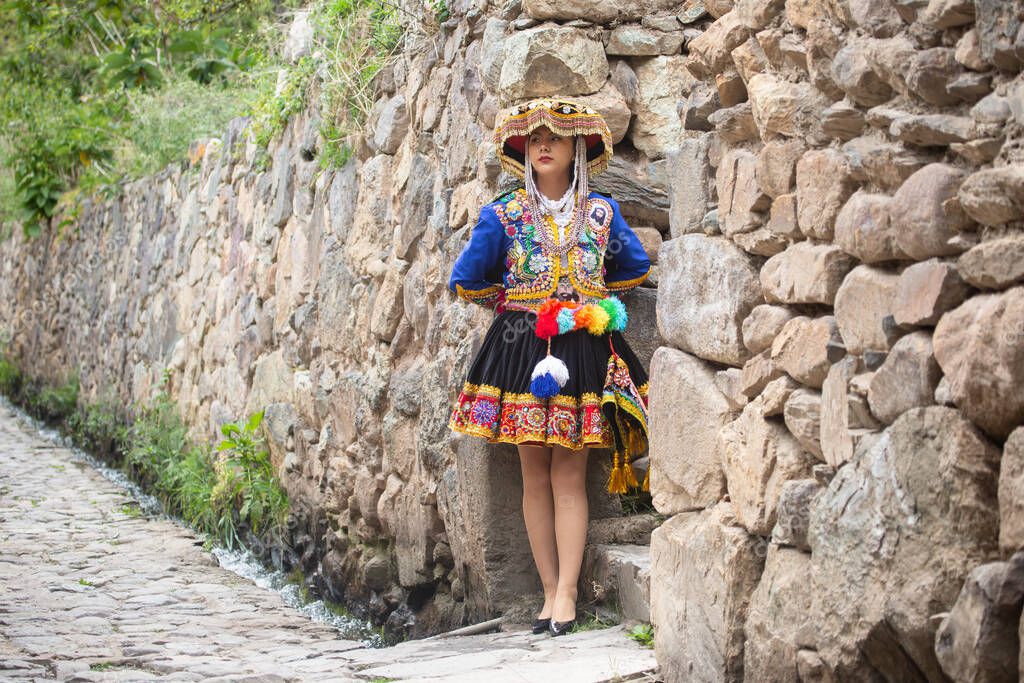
(321, 297)
(830, 191)
(836, 417)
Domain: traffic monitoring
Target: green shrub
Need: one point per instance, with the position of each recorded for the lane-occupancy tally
(99, 428)
(643, 634)
(81, 78)
(10, 379)
(54, 403)
(165, 122)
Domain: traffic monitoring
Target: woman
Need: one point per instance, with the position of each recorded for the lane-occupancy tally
(554, 374)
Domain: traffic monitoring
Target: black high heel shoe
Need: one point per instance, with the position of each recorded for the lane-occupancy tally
(560, 628)
(541, 625)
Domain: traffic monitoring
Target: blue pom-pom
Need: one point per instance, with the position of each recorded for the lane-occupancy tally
(544, 386)
(566, 323)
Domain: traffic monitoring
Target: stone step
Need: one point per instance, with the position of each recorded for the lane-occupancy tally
(593, 656)
(618, 576)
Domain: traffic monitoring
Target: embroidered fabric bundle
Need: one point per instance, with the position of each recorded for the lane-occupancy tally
(626, 413)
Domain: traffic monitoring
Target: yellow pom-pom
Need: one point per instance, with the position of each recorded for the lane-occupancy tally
(598, 322)
(583, 316)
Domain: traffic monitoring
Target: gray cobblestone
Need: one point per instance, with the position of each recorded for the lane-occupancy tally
(90, 593)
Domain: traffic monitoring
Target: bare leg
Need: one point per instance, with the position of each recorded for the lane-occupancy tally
(539, 516)
(568, 483)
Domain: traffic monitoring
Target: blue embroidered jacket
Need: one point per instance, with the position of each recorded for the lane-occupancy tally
(504, 258)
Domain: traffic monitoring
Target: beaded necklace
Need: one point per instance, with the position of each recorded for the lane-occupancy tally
(549, 239)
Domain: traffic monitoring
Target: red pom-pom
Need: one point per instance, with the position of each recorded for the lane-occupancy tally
(547, 325)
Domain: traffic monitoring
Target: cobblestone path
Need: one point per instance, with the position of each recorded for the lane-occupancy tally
(89, 592)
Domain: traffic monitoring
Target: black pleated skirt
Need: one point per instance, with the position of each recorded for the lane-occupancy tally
(496, 403)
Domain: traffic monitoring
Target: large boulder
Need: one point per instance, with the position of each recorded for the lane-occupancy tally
(686, 412)
(907, 379)
(656, 127)
(392, 124)
(993, 196)
(994, 264)
(710, 52)
(783, 108)
(923, 219)
(741, 202)
(777, 625)
(892, 539)
(759, 455)
(863, 303)
(801, 348)
(763, 324)
(998, 25)
(863, 229)
(980, 347)
(802, 414)
(805, 273)
(852, 70)
(707, 287)
(845, 421)
(1011, 494)
(978, 640)
(776, 166)
(592, 10)
(547, 61)
(824, 181)
(689, 184)
(704, 568)
(925, 291)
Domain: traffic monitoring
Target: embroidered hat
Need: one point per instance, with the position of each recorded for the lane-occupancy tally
(562, 116)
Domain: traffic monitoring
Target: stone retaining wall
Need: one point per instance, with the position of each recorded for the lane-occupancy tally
(836, 421)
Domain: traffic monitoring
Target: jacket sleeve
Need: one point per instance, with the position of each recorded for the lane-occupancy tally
(625, 261)
(477, 274)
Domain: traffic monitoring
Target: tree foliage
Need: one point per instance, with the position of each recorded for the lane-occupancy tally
(73, 72)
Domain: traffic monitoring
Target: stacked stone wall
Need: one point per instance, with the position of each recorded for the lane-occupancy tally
(838, 408)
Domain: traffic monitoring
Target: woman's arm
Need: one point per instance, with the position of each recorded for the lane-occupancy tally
(625, 261)
(477, 274)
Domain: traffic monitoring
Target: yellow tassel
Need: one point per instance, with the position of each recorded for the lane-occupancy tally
(629, 476)
(615, 481)
(647, 479)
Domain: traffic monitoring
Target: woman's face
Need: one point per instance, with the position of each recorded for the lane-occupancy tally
(551, 154)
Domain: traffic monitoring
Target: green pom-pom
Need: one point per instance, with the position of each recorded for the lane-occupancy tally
(616, 311)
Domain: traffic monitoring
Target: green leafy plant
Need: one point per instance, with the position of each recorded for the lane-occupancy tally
(218, 493)
(99, 428)
(246, 485)
(643, 634)
(55, 403)
(10, 379)
(440, 9)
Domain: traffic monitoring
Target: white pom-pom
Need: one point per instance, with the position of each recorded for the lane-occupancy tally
(553, 366)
